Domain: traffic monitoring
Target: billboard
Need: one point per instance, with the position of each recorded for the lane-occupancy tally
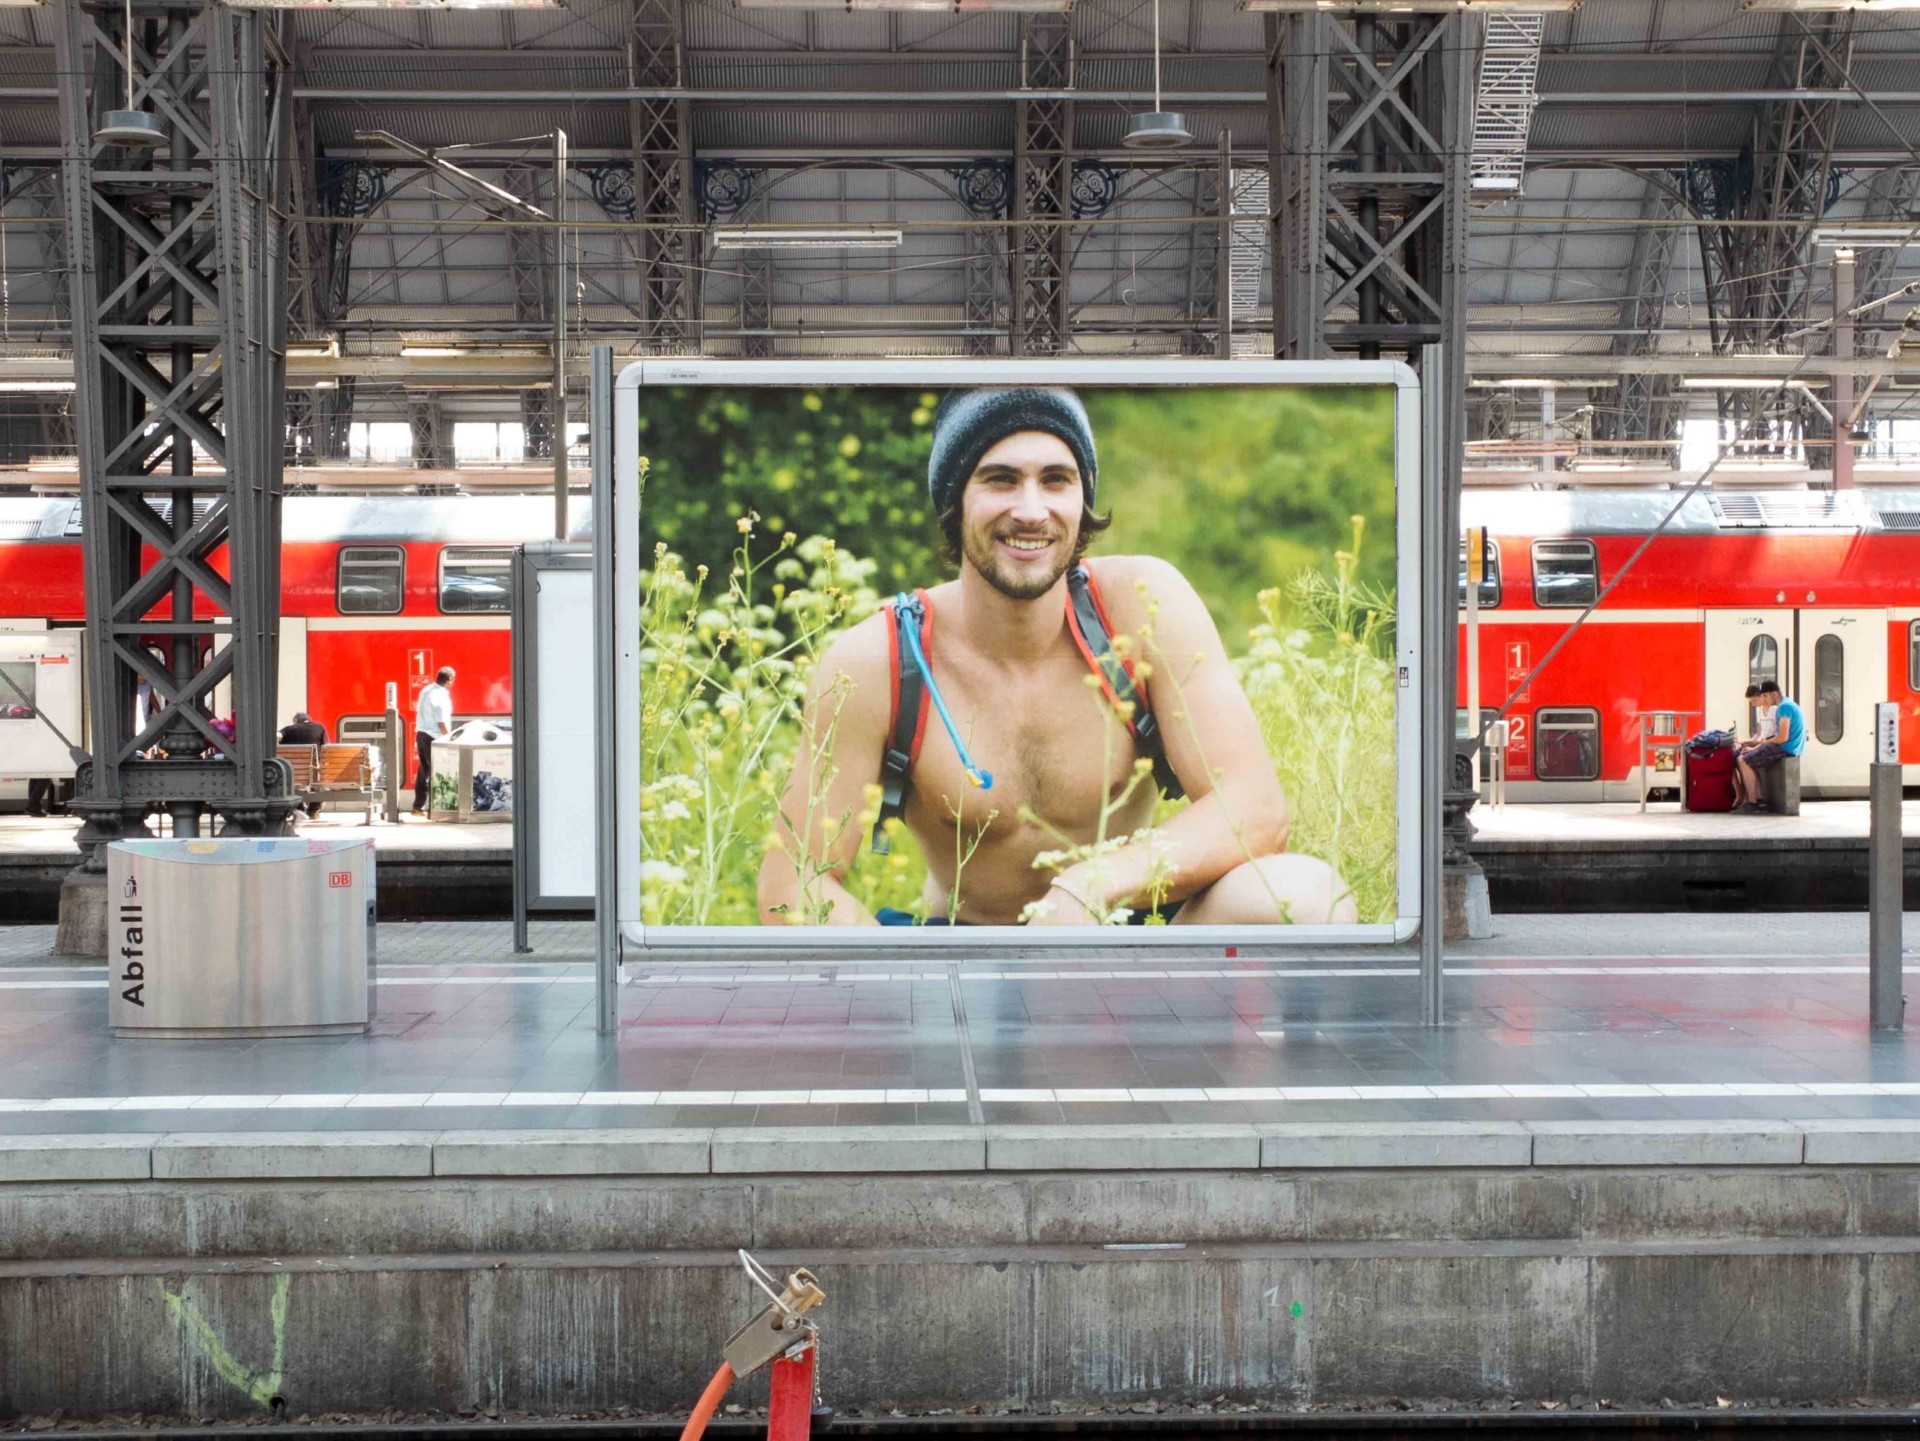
(1049, 653)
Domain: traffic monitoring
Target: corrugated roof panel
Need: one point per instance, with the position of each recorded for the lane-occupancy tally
(984, 129)
(481, 70)
(434, 123)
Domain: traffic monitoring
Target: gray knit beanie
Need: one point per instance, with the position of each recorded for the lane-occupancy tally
(969, 423)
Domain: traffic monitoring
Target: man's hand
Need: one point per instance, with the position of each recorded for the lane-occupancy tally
(1062, 905)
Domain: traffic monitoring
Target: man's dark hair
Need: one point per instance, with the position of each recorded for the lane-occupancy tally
(1771, 687)
(443, 675)
(1753, 690)
(1091, 524)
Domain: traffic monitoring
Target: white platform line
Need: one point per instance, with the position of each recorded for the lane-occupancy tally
(722, 982)
(1037, 1095)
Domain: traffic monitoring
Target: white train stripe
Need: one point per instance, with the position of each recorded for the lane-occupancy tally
(319, 623)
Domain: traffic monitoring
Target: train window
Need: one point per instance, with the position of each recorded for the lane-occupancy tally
(1829, 689)
(362, 730)
(1566, 744)
(1489, 583)
(17, 700)
(475, 578)
(1565, 572)
(371, 580)
(1763, 665)
(1913, 655)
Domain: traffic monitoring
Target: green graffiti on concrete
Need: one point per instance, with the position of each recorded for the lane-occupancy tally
(262, 1386)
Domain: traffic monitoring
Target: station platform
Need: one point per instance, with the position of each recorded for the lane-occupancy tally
(1645, 1158)
(1610, 856)
(427, 868)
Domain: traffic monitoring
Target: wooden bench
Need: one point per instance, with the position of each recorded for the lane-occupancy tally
(341, 774)
(346, 774)
(305, 762)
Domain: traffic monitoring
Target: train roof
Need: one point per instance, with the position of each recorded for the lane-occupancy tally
(455, 519)
(1705, 512)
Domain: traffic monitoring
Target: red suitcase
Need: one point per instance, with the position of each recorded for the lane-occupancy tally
(1709, 781)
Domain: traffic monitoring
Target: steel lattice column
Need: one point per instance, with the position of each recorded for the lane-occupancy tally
(1759, 278)
(529, 269)
(1641, 405)
(179, 337)
(662, 137)
(1369, 121)
(1042, 190)
(756, 304)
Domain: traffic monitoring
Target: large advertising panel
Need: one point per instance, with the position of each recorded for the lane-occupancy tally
(1076, 653)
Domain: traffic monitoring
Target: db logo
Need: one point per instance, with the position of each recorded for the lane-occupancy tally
(340, 880)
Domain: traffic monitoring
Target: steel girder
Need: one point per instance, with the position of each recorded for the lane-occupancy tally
(1037, 278)
(662, 138)
(179, 333)
(1759, 279)
(529, 269)
(1641, 406)
(1370, 208)
(756, 304)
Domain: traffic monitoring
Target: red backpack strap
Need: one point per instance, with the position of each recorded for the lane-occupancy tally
(1093, 634)
(907, 718)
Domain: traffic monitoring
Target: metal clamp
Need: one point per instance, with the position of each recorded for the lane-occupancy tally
(780, 1327)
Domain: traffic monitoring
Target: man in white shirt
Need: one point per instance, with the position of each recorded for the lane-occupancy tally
(432, 717)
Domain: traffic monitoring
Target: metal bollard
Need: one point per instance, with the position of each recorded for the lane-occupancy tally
(1886, 865)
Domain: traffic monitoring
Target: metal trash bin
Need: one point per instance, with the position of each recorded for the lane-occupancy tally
(256, 937)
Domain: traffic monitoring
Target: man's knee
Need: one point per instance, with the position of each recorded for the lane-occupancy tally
(1276, 890)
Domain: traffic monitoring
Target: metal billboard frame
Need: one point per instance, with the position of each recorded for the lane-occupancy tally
(529, 562)
(618, 570)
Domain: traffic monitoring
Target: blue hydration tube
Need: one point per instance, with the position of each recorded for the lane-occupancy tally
(982, 779)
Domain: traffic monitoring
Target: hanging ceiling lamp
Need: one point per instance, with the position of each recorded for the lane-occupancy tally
(1159, 129)
(130, 126)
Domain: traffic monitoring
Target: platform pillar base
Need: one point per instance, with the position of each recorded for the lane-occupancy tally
(1469, 909)
(83, 915)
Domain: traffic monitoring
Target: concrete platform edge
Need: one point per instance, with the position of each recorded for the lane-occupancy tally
(955, 1150)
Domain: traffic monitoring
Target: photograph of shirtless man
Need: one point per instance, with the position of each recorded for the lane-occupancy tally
(1013, 477)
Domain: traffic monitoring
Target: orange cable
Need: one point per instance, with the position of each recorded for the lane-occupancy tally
(708, 1403)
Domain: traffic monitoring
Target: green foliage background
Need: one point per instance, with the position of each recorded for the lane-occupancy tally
(1241, 489)
(778, 517)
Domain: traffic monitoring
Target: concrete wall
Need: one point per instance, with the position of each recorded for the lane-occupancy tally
(209, 1298)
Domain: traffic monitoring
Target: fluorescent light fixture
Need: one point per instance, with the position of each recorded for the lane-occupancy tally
(1868, 235)
(797, 238)
(35, 387)
(1744, 382)
(1529, 382)
(1403, 7)
(433, 348)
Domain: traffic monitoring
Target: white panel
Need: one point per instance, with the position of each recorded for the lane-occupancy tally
(563, 736)
(293, 668)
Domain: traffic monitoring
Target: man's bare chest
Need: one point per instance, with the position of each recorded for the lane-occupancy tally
(1051, 742)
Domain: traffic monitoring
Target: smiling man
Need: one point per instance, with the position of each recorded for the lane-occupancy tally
(1067, 694)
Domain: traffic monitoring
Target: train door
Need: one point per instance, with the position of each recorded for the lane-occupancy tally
(42, 669)
(1841, 672)
(1744, 646)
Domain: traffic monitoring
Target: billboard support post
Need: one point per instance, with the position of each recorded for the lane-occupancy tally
(1885, 874)
(606, 923)
(1436, 727)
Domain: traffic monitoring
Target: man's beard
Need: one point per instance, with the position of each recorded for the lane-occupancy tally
(983, 549)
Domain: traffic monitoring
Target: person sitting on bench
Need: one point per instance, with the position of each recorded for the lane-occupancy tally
(1788, 737)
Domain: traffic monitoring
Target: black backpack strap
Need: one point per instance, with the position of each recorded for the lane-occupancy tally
(909, 714)
(1088, 622)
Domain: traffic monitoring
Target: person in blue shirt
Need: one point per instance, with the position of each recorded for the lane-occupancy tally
(1787, 738)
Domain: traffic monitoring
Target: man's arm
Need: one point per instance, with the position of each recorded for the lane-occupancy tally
(818, 832)
(1213, 742)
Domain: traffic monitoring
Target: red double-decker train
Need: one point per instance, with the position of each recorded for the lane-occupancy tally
(1821, 591)
(373, 589)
